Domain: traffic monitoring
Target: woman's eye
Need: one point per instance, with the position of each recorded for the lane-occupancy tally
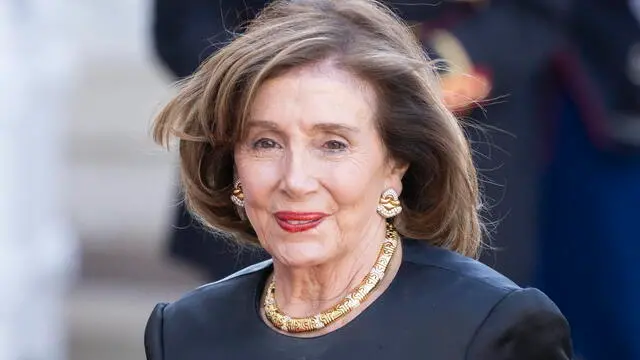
(335, 145)
(265, 144)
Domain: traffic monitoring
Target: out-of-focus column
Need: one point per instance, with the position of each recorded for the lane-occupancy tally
(37, 247)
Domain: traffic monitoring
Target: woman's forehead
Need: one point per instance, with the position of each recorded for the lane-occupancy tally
(314, 95)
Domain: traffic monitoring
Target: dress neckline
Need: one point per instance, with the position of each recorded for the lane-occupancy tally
(363, 316)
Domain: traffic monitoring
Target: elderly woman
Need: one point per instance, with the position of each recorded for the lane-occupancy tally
(321, 136)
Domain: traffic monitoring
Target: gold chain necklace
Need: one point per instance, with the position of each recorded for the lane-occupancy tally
(350, 302)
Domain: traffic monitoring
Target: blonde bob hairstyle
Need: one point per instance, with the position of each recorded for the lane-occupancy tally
(440, 196)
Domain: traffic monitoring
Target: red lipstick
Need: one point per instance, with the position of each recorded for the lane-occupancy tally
(294, 222)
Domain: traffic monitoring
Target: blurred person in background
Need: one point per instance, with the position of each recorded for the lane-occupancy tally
(37, 245)
(571, 71)
(590, 243)
(321, 135)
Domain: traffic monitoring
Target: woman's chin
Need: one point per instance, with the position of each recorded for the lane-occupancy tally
(299, 255)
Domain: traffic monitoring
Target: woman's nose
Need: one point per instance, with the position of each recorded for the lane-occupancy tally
(299, 177)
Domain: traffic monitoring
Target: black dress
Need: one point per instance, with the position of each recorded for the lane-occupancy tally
(440, 305)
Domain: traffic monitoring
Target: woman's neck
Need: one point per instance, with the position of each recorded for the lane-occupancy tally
(302, 292)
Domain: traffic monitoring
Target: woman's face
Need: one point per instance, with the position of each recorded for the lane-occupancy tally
(313, 166)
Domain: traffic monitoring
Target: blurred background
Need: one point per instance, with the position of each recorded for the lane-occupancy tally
(121, 186)
(104, 179)
(92, 234)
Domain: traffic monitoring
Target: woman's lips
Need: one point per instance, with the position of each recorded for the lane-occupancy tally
(298, 221)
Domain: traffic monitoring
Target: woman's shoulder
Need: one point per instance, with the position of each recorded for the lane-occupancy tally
(219, 297)
(210, 309)
(483, 306)
(462, 289)
(447, 265)
(239, 284)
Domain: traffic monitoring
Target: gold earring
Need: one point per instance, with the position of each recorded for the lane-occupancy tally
(237, 196)
(389, 204)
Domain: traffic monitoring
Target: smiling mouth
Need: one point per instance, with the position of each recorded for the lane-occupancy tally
(298, 221)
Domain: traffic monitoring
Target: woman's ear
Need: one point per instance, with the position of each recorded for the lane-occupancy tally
(395, 174)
